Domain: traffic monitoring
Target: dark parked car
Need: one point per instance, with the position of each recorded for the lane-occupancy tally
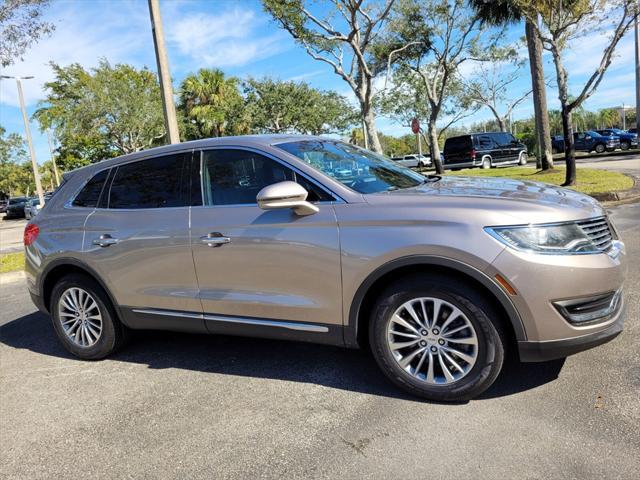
(15, 207)
(484, 150)
(633, 130)
(3, 206)
(588, 141)
(627, 140)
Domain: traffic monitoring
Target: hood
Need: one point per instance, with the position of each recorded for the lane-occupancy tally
(528, 201)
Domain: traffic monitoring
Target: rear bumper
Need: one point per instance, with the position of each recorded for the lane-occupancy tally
(38, 301)
(554, 349)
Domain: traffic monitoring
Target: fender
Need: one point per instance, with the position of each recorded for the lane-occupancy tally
(63, 261)
(351, 329)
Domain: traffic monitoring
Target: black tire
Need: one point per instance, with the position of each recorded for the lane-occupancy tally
(625, 145)
(489, 332)
(600, 148)
(113, 334)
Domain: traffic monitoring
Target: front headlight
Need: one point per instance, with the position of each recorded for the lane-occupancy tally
(561, 239)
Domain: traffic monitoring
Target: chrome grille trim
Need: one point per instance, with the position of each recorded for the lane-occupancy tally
(598, 231)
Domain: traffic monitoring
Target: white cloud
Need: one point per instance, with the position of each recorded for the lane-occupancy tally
(78, 38)
(226, 39)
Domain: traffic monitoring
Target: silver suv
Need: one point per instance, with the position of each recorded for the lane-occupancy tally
(439, 277)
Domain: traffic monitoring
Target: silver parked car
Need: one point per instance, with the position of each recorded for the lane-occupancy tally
(31, 208)
(413, 160)
(255, 235)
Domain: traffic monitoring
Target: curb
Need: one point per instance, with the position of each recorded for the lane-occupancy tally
(11, 277)
(630, 195)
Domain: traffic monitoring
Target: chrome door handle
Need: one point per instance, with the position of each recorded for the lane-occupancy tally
(215, 239)
(105, 240)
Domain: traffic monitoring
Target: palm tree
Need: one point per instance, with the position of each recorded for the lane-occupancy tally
(504, 12)
(210, 103)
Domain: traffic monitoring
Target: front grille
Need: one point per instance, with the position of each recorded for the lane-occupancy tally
(598, 231)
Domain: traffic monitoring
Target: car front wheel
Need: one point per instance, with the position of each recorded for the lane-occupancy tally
(600, 148)
(625, 145)
(437, 338)
(523, 159)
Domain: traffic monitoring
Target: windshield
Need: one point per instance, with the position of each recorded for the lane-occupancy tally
(358, 169)
(15, 200)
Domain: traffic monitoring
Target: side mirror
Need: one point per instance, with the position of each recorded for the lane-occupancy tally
(587, 137)
(286, 195)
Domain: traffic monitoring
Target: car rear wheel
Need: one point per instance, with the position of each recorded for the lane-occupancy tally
(437, 338)
(600, 148)
(625, 145)
(84, 319)
(486, 163)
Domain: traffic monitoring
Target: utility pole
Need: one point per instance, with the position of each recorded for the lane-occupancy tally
(53, 159)
(170, 121)
(27, 130)
(637, 35)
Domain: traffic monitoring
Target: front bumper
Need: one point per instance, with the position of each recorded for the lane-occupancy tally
(554, 349)
(540, 281)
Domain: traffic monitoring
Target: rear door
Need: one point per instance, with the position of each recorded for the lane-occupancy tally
(139, 242)
(272, 272)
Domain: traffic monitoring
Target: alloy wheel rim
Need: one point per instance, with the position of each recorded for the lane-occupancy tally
(432, 340)
(80, 317)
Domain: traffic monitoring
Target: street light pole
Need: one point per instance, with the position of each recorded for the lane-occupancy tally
(170, 121)
(32, 152)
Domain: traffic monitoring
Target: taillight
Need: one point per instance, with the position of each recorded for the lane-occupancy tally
(31, 232)
(473, 154)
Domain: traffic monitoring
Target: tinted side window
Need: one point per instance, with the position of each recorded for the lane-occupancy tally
(458, 144)
(234, 177)
(90, 194)
(153, 183)
(485, 142)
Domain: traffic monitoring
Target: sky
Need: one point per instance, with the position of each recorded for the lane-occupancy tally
(238, 37)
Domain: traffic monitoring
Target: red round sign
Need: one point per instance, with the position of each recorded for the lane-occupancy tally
(415, 126)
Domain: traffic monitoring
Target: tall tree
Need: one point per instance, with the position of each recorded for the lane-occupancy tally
(344, 39)
(504, 12)
(433, 39)
(211, 105)
(406, 99)
(21, 25)
(564, 21)
(108, 111)
(275, 106)
(490, 82)
(15, 168)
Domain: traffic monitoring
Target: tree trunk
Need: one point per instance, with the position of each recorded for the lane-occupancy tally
(502, 126)
(569, 148)
(370, 128)
(543, 132)
(434, 148)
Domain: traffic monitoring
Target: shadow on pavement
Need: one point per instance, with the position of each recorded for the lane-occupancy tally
(334, 367)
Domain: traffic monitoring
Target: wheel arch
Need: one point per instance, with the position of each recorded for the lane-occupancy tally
(356, 330)
(65, 266)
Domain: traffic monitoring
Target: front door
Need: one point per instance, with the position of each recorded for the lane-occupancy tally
(263, 272)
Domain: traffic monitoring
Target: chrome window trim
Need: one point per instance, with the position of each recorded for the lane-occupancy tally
(337, 198)
(69, 203)
(305, 327)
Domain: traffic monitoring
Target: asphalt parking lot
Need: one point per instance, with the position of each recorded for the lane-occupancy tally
(185, 406)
